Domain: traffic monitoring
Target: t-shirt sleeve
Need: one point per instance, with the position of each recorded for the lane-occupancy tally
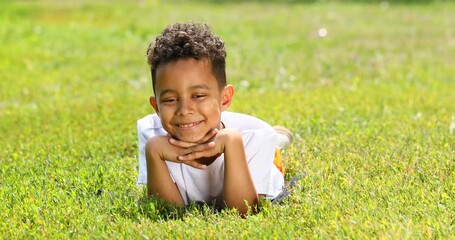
(142, 140)
(260, 146)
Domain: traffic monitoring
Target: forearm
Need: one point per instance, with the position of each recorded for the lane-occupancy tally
(238, 191)
(159, 181)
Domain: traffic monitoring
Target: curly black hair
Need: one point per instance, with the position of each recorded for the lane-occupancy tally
(188, 40)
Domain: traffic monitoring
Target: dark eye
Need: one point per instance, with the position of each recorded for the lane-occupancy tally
(169, 100)
(196, 96)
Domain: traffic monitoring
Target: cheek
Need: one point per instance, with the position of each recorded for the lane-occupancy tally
(212, 110)
(213, 105)
(165, 116)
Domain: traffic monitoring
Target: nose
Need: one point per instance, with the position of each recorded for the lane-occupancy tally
(185, 107)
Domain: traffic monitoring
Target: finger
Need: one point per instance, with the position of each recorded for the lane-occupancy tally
(199, 148)
(196, 148)
(196, 155)
(209, 135)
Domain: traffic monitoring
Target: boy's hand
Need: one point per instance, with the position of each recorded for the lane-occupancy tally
(161, 146)
(193, 147)
(215, 146)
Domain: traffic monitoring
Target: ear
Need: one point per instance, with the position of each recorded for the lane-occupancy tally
(154, 104)
(226, 98)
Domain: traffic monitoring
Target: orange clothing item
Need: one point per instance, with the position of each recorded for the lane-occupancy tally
(278, 161)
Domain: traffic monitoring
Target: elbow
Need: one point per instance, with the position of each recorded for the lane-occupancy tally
(245, 207)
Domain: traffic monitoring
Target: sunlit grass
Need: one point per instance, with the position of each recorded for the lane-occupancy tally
(370, 103)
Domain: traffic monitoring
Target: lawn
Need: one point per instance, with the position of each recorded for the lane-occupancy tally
(367, 89)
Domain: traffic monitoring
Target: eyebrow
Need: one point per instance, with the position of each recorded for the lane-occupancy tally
(167, 90)
(194, 87)
(200, 86)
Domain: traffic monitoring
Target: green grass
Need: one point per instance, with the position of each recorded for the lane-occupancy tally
(371, 105)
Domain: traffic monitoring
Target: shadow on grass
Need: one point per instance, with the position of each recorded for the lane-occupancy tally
(156, 209)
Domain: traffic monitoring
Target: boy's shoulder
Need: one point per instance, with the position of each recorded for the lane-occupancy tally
(150, 126)
(149, 121)
(243, 122)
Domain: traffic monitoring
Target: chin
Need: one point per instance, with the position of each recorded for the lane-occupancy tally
(191, 139)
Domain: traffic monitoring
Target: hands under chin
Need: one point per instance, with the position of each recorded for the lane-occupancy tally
(201, 152)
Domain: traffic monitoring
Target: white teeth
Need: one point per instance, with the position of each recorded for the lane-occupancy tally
(188, 125)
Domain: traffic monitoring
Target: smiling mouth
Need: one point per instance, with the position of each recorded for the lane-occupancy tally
(189, 125)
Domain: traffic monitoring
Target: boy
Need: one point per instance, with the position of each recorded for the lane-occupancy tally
(191, 150)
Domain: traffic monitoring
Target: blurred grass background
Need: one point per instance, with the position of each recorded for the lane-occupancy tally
(367, 88)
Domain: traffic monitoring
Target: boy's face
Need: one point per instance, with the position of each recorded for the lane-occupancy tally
(188, 99)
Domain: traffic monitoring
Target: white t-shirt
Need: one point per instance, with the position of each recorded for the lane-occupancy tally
(206, 185)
